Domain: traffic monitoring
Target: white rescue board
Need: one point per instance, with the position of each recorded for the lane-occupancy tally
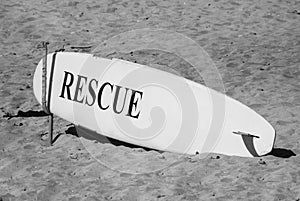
(144, 106)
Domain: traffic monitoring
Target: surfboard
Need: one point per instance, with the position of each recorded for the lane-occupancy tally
(144, 106)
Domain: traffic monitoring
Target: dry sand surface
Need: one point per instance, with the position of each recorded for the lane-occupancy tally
(256, 48)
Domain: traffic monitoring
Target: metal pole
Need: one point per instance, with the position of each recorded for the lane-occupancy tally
(50, 130)
(44, 95)
(44, 77)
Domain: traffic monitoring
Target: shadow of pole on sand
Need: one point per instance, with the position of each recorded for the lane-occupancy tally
(29, 113)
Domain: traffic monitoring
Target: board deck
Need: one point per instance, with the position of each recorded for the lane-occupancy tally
(144, 106)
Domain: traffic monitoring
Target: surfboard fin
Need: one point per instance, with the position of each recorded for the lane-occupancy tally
(244, 134)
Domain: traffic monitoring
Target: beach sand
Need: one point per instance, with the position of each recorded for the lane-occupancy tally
(255, 46)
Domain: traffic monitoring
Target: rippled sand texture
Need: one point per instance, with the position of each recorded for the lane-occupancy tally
(256, 48)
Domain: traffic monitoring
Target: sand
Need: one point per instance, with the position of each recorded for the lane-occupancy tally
(256, 48)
